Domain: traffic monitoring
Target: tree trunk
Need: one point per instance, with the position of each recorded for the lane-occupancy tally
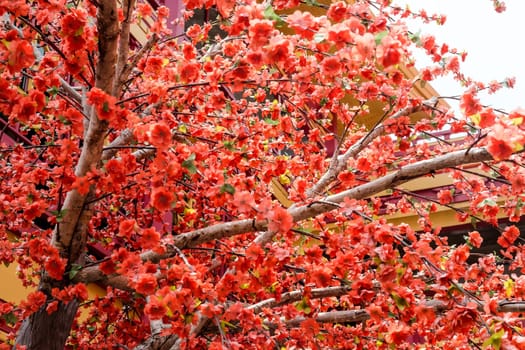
(43, 331)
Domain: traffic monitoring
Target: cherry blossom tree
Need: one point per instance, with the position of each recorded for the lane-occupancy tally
(153, 170)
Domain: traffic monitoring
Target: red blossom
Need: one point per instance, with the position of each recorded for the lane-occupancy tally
(243, 200)
(190, 72)
(150, 238)
(162, 199)
(280, 220)
(160, 135)
(105, 104)
(463, 318)
(225, 7)
(397, 333)
(475, 239)
(107, 267)
(116, 171)
(508, 236)
(339, 34)
(55, 266)
(322, 276)
(445, 196)
(278, 50)
(331, 66)
(470, 104)
(73, 22)
(126, 228)
(304, 24)
(146, 284)
(391, 56)
(487, 117)
(155, 309)
(20, 55)
(499, 148)
(81, 184)
(338, 11)
(260, 32)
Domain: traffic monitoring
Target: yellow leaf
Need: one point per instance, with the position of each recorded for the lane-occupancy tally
(476, 118)
(509, 287)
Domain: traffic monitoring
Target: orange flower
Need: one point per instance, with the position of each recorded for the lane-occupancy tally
(475, 239)
(278, 51)
(260, 32)
(160, 135)
(146, 284)
(509, 235)
(445, 196)
(150, 238)
(81, 184)
(469, 104)
(55, 266)
(338, 11)
(20, 56)
(155, 309)
(162, 199)
(190, 72)
(243, 200)
(126, 228)
(280, 220)
(331, 66)
(499, 148)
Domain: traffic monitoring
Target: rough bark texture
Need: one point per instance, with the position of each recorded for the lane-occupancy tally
(70, 235)
(228, 229)
(49, 332)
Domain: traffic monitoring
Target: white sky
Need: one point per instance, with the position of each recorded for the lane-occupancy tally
(495, 43)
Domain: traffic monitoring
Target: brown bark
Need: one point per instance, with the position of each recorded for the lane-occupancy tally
(50, 331)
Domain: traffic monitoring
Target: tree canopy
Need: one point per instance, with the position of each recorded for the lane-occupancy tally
(232, 190)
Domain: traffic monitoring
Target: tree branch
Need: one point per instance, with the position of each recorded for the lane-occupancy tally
(107, 25)
(123, 46)
(126, 69)
(291, 297)
(339, 165)
(229, 229)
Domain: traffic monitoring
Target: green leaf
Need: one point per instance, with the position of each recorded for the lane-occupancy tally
(271, 121)
(59, 214)
(488, 202)
(380, 36)
(189, 164)
(227, 188)
(303, 306)
(269, 13)
(105, 107)
(401, 302)
(53, 91)
(10, 318)
(229, 145)
(75, 268)
(415, 37)
(494, 340)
